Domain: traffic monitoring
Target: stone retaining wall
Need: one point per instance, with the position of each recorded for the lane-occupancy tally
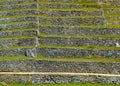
(77, 53)
(66, 41)
(58, 79)
(59, 66)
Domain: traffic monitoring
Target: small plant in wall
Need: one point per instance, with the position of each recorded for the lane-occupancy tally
(90, 47)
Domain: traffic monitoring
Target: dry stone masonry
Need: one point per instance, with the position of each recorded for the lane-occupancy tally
(68, 23)
(59, 29)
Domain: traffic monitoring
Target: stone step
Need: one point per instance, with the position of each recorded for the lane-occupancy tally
(17, 7)
(73, 21)
(18, 26)
(18, 33)
(78, 41)
(57, 5)
(70, 13)
(59, 78)
(76, 52)
(18, 13)
(59, 66)
(78, 31)
(18, 19)
(18, 41)
(15, 51)
(11, 2)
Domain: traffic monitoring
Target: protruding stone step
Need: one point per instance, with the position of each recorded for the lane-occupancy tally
(73, 21)
(77, 52)
(12, 42)
(78, 41)
(70, 13)
(18, 33)
(59, 30)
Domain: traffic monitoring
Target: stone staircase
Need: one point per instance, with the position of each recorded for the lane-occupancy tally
(35, 30)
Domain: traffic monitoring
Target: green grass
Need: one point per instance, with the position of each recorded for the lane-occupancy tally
(75, 36)
(80, 47)
(85, 59)
(76, 26)
(73, 84)
(69, 9)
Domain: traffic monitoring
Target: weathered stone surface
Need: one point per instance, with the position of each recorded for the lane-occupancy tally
(17, 7)
(31, 52)
(57, 79)
(79, 53)
(18, 33)
(15, 78)
(40, 79)
(62, 41)
(72, 0)
(112, 11)
(110, 2)
(63, 6)
(70, 13)
(6, 43)
(17, 65)
(10, 2)
(19, 13)
(73, 21)
(20, 19)
(79, 31)
(13, 52)
(17, 26)
(59, 66)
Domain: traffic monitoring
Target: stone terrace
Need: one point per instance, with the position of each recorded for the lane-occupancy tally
(59, 29)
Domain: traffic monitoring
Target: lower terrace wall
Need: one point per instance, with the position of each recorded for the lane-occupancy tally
(59, 66)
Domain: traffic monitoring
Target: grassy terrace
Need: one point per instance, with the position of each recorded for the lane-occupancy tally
(74, 36)
(76, 26)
